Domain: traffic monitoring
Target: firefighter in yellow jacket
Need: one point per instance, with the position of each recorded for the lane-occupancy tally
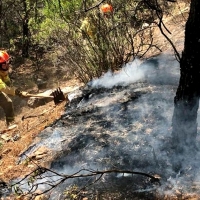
(89, 26)
(6, 88)
(88, 29)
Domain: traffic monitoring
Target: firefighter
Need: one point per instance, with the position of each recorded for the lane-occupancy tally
(7, 89)
(87, 28)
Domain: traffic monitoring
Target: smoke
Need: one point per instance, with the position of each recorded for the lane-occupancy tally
(160, 70)
(125, 128)
(148, 134)
(130, 73)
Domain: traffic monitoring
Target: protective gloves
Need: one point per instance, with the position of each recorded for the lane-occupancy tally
(20, 93)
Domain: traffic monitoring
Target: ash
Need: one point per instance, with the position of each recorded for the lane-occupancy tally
(123, 121)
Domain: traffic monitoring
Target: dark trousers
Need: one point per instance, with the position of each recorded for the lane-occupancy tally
(7, 105)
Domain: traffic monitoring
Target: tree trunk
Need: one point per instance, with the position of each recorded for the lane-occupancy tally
(25, 27)
(186, 101)
(25, 46)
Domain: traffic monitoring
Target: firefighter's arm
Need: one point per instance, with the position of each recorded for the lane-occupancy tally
(4, 88)
(7, 81)
(14, 92)
(11, 90)
(8, 90)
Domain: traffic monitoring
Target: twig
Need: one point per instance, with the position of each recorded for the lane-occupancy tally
(63, 177)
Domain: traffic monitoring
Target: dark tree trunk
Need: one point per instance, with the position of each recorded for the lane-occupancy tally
(25, 46)
(186, 101)
(26, 36)
(0, 20)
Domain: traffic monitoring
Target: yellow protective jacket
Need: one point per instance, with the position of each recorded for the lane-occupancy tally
(88, 28)
(4, 82)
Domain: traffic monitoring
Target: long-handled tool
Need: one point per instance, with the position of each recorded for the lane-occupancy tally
(39, 95)
(57, 95)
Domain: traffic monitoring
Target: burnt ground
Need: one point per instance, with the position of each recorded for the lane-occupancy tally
(118, 122)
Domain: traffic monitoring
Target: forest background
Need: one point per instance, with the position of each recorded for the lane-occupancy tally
(48, 33)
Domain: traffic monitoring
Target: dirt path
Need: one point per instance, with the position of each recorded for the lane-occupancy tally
(30, 121)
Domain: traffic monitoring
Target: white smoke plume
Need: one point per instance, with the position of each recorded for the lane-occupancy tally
(130, 73)
(138, 70)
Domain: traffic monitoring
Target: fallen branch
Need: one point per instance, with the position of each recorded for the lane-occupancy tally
(50, 179)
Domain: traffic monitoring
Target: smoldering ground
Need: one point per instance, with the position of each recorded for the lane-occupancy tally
(123, 121)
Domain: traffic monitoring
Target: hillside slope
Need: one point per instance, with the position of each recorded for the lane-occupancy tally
(15, 142)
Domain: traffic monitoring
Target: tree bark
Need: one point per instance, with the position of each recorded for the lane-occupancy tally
(25, 27)
(186, 101)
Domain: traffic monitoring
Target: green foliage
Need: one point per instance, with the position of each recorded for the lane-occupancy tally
(111, 42)
(117, 39)
(17, 190)
(63, 9)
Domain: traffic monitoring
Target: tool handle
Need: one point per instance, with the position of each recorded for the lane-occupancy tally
(39, 95)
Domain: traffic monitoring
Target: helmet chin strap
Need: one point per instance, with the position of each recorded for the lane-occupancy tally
(6, 69)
